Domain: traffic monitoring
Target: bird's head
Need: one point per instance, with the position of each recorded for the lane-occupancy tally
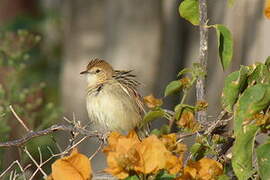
(98, 71)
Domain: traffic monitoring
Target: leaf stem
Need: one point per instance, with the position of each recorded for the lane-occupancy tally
(184, 97)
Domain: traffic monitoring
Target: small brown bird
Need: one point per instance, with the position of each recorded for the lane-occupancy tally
(113, 102)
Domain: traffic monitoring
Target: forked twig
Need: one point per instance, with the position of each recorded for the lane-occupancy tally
(35, 162)
(10, 166)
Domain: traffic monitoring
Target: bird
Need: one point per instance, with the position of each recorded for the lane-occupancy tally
(112, 100)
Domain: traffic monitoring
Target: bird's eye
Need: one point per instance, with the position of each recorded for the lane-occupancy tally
(98, 70)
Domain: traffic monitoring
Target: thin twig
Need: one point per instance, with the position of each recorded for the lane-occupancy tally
(76, 144)
(32, 134)
(35, 162)
(56, 143)
(216, 123)
(95, 153)
(200, 85)
(40, 164)
(18, 118)
(181, 136)
(10, 166)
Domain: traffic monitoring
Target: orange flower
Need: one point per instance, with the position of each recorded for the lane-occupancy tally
(121, 154)
(75, 166)
(204, 169)
(127, 154)
(155, 157)
(152, 102)
(187, 120)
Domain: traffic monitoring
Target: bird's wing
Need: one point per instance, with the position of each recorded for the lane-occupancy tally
(129, 84)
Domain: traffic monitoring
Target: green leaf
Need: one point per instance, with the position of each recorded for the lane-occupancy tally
(260, 74)
(195, 147)
(164, 175)
(263, 158)
(225, 45)
(253, 100)
(165, 129)
(135, 177)
(151, 115)
(180, 107)
(198, 151)
(156, 132)
(189, 10)
(173, 87)
(242, 152)
(184, 71)
(234, 84)
(223, 177)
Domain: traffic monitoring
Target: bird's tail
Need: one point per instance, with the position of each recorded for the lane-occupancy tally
(143, 131)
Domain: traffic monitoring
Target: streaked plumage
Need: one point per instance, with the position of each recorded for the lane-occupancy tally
(113, 102)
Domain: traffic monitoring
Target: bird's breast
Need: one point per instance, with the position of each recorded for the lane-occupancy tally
(112, 109)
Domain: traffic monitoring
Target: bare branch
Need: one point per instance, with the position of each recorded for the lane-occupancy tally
(216, 123)
(212, 126)
(30, 135)
(19, 119)
(200, 85)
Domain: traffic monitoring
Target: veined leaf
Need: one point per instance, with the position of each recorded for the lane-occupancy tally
(184, 71)
(225, 45)
(243, 151)
(234, 84)
(263, 159)
(253, 100)
(189, 10)
(260, 74)
(151, 115)
(173, 87)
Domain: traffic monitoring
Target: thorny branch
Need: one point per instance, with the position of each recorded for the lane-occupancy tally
(53, 128)
(210, 129)
(74, 127)
(200, 86)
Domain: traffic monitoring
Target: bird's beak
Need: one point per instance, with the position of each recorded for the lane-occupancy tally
(84, 72)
